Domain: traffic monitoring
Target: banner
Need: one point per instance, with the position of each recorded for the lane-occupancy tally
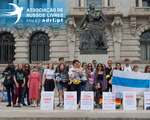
(130, 81)
(70, 100)
(129, 101)
(87, 100)
(47, 100)
(147, 100)
(109, 102)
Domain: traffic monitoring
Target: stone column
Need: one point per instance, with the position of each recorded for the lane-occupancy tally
(105, 3)
(15, 1)
(140, 3)
(71, 27)
(48, 3)
(31, 3)
(82, 3)
(21, 50)
(117, 36)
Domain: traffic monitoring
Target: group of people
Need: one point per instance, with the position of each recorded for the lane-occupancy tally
(22, 81)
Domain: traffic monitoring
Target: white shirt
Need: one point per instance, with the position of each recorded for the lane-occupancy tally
(49, 73)
(127, 69)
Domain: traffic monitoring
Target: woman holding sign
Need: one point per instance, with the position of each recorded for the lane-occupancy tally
(62, 82)
(100, 82)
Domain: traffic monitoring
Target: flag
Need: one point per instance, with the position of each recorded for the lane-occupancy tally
(130, 82)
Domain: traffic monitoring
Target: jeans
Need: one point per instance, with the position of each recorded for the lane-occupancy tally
(78, 89)
(26, 90)
(18, 94)
(85, 87)
(10, 97)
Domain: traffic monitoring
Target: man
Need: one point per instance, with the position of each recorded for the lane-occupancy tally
(109, 71)
(127, 66)
(75, 77)
(61, 60)
(94, 65)
(9, 73)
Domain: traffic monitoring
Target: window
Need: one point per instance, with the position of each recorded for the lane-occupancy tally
(6, 47)
(40, 3)
(146, 3)
(137, 3)
(39, 47)
(4, 4)
(28, 4)
(145, 45)
(98, 3)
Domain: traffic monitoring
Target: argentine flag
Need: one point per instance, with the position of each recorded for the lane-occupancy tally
(130, 82)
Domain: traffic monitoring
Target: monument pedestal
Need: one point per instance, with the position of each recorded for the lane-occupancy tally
(88, 58)
(93, 51)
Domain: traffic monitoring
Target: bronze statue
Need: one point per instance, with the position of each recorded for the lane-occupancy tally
(91, 30)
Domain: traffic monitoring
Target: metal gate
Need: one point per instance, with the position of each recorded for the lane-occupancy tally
(6, 47)
(39, 47)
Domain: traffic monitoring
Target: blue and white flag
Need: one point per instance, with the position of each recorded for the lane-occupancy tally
(130, 82)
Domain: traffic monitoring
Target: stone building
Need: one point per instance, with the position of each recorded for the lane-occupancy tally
(128, 33)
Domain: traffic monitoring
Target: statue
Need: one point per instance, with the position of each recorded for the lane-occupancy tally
(91, 30)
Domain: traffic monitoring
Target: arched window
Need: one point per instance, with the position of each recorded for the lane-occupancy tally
(6, 47)
(39, 47)
(145, 45)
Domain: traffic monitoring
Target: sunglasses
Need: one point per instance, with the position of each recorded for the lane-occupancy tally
(89, 66)
(26, 66)
(99, 66)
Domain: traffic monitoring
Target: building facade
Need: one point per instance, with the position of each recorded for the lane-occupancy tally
(128, 33)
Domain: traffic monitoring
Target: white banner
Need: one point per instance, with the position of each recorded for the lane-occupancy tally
(147, 100)
(109, 101)
(70, 100)
(47, 100)
(87, 100)
(129, 101)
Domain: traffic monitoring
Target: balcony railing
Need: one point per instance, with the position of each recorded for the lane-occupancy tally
(82, 10)
(140, 9)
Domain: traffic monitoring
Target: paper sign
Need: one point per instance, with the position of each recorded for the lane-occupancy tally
(70, 100)
(147, 100)
(129, 101)
(87, 100)
(47, 100)
(109, 102)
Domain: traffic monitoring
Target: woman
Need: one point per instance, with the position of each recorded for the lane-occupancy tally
(49, 74)
(85, 78)
(91, 79)
(147, 69)
(26, 89)
(100, 82)
(62, 82)
(34, 86)
(19, 79)
(138, 97)
(118, 67)
(119, 95)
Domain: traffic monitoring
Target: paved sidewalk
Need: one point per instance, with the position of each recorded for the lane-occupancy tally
(25, 113)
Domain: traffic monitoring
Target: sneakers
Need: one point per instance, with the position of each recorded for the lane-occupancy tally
(61, 105)
(19, 105)
(24, 105)
(58, 105)
(9, 105)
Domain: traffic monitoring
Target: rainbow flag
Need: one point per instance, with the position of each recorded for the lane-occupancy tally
(118, 103)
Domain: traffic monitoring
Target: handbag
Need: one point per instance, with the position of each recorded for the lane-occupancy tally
(8, 82)
(76, 82)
